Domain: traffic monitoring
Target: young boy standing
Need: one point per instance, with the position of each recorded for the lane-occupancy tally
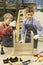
(31, 24)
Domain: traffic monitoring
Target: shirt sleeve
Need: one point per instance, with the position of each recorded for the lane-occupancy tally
(39, 27)
(23, 30)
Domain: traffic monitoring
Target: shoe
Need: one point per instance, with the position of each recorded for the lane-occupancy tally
(2, 51)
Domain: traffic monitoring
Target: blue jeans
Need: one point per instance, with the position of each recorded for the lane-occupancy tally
(7, 41)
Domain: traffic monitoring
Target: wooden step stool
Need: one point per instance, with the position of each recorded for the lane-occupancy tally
(22, 48)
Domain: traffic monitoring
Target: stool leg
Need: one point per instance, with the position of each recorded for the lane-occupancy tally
(35, 52)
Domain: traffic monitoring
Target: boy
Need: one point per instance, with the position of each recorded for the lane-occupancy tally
(31, 24)
(5, 30)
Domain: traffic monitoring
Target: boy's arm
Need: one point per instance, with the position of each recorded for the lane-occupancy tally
(23, 30)
(39, 27)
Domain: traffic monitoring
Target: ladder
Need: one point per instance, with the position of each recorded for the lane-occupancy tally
(21, 17)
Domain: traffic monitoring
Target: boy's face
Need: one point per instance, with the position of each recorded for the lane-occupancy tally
(7, 21)
(30, 15)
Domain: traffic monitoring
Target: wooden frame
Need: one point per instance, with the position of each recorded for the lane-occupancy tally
(22, 48)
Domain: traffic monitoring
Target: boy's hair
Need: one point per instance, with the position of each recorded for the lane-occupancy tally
(8, 15)
(29, 9)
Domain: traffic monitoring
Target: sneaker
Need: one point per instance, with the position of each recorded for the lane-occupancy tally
(2, 51)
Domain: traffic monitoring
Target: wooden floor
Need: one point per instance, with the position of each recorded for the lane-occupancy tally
(9, 52)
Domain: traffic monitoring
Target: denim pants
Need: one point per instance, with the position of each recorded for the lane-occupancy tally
(7, 41)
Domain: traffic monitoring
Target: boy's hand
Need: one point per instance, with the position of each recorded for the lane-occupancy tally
(21, 41)
(13, 24)
(36, 37)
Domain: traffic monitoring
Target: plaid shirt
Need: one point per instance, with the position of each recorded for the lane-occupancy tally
(4, 30)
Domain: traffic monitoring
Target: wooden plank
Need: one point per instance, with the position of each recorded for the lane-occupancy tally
(25, 48)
